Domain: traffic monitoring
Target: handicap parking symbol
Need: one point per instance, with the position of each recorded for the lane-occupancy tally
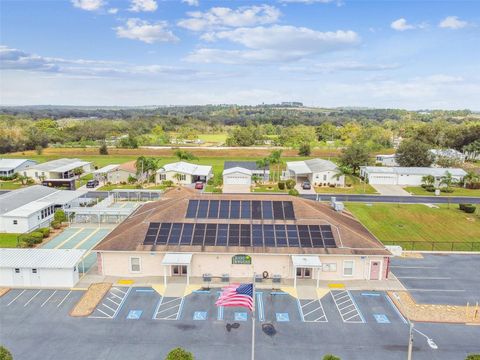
(381, 318)
(240, 316)
(282, 317)
(200, 315)
(134, 314)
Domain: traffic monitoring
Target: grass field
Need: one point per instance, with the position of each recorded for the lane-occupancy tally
(268, 189)
(419, 223)
(8, 240)
(10, 185)
(458, 191)
(213, 138)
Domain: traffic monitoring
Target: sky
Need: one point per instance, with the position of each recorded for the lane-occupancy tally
(327, 53)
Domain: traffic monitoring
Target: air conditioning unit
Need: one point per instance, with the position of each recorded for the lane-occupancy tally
(258, 278)
(207, 277)
(277, 279)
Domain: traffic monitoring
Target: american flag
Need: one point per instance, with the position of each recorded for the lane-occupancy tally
(237, 295)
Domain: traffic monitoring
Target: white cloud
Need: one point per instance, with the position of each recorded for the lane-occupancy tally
(143, 5)
(142, 30)
(112, 11)
(273, 44)
(452, 22)
(88, 5)
(191, 2)
(403, 25)
(223, 17)
(339, 66)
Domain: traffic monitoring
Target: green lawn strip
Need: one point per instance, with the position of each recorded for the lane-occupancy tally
(8, 240)
(458, 191)
(117, 186)
(357, 187)
(392, 223)
(268, 189)
(10, 185)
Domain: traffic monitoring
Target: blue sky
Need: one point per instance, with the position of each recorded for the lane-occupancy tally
(398, 54)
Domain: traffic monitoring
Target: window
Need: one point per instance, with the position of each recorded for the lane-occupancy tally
(34, 271)
(162, 177)
(17, 271)
(325, 177)
(182, 177)
(135, 264)
(348, 267)
(15, 222)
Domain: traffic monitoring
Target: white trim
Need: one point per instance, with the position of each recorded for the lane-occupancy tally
(139, 264)
(353, 268)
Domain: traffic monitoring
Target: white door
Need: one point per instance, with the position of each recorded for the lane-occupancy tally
(375, 270)
(237, 179)
(35, 277)
(18, 279)
(381, 180)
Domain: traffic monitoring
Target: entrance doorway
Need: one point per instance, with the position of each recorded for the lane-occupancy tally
(179, 270)
(304, 273)
(375, 270)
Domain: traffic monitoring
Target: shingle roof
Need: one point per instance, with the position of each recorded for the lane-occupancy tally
(250, 165)
(351, 238)
(40, 258)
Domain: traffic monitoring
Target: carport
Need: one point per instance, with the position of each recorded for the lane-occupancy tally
(306, 261)
(176, 259)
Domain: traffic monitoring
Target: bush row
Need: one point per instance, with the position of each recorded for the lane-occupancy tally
(468, 208)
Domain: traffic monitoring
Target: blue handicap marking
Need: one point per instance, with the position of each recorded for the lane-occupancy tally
(200, 315)
(240, 316)
(282, 317)
(381, 318)
(134, 314)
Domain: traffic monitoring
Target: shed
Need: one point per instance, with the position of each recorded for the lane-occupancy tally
(50, 268)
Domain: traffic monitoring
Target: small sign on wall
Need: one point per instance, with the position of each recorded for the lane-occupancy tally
(241, 259)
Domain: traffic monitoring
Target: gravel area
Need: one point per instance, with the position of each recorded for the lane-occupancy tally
(435, 313)
(3, 291)
(89, 301)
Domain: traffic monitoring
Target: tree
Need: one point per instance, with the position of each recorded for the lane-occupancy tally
(343, 170)
(263, 164)
(5, 354)
(428, 180)
(331, 357)
(146, 166)
(39, 149)
(179, 354)
(354, 156)
(326, 132)
(447, 180)
(304, 149)
(471, 180)
(275, 159)
(78, 171)
(59, 216)
(103, 150)
(184, 155)
(414, 153)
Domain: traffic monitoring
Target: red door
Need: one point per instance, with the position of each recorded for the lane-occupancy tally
(374, 270)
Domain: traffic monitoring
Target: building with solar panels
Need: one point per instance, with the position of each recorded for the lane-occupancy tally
(278, 238)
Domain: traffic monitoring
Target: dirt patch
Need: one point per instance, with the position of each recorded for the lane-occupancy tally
(435, 313)
(90, 299)
(3, 291)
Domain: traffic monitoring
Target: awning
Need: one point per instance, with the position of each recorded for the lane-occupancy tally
(308, 261)
(177, 259)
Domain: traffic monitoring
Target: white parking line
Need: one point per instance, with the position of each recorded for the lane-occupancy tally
(65, 298)
(48, 298)
(437, 290)
(33, 297)
(413, 267)
(16, 297)
(118, 304)
(423, 278)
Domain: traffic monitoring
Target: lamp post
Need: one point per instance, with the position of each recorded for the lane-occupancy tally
(430, 341)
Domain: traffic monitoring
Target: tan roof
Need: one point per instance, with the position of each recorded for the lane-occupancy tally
(351, 236)
(129, 167)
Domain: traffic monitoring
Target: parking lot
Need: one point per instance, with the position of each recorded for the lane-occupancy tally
(440, 279)
(137, 322)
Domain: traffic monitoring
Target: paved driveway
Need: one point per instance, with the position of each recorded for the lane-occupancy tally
(303, 191)
(236, 189)
(391, 190)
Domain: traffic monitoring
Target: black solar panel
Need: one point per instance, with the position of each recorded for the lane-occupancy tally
(192, 209)
(236, 209)
(258, 235)
(213, 209)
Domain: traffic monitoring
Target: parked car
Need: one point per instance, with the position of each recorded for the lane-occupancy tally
(306, 185)
(199, 185)
(92, 183)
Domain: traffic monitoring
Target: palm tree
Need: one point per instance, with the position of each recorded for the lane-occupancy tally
(471, 178)
(343, 170)
(184, 155)
(428, 180)
(263, 164)
(447, 180)
(275, 159)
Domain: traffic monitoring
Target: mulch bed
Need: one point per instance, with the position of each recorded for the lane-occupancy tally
(3, 291)
(89, 301)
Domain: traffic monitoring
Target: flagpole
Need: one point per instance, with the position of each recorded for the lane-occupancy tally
(253, 318)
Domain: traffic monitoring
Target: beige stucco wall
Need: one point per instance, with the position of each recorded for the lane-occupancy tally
(118, 264)
(170, 175)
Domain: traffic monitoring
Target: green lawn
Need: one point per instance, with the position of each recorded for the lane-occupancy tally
(10, 185)
(458, 191)
(213, 138)
(357, 187)
(268, 188)
(8, 240)
(117, 186)
(391, 223)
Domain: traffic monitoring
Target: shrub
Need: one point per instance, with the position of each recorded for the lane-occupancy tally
(446, 190)
(281, 185)
(429, 188)
(132, 179)
(55, 224)
(28, 240)
(290, 184)
(470, 209)
(167, 183)
(5, 354)
(60, 216)
(331, 357)
(210, 181)
(103, 150)
(179, 354)
(138, 186)
(217, 190)
(473, 357)
(293, 192)
(45, 231)
(304, 149)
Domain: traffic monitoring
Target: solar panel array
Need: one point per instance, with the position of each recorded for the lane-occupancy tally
(240, 209)
(258, 235)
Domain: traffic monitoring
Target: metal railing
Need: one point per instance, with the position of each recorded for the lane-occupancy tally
(436, 245)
